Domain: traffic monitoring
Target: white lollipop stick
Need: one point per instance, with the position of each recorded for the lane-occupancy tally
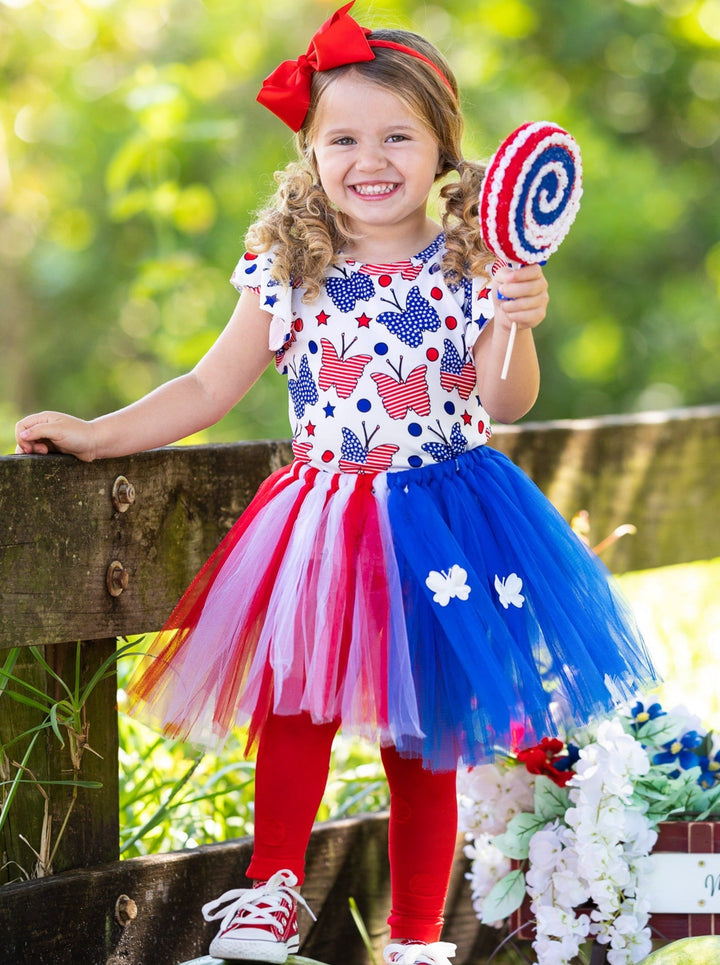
(513, 333)
(508, 351)
(513, 329)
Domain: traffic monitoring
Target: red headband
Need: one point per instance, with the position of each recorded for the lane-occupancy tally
(339, 41)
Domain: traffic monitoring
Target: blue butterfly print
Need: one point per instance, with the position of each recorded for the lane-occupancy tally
(351, 447)
(442, 451)
(344, 292)
(467, 300)
(450, 360)
(303, 390)
(409, 323)
(360, 458)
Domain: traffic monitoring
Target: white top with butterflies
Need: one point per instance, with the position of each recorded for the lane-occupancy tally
(380, 367)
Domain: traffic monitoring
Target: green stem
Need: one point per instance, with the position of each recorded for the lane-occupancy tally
(16, 781)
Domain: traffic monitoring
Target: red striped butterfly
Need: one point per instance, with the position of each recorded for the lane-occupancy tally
(399, 395)
(343, 373)
(362, 459)
(456, 374)
(301, 450)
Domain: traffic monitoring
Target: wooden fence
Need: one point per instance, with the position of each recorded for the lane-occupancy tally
(92, 552)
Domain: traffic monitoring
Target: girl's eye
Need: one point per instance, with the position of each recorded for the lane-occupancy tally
(343, 141)
(397, 138)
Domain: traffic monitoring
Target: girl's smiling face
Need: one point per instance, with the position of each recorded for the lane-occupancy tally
(376, 160)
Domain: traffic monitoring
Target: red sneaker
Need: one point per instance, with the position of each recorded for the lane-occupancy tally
(408, 952)
(258, 924)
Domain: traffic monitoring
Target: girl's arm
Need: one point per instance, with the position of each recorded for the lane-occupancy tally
(174, 410)
(526, 299)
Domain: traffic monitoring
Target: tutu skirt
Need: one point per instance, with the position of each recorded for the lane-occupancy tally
(448, 610)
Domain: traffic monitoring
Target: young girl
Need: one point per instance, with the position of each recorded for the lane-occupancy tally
(400, 579)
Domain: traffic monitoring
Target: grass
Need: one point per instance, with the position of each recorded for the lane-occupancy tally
(678, 608)
(172, 797)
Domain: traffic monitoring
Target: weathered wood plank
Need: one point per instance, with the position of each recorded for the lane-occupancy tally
(345, 858)
(60, 531)
(656, 470)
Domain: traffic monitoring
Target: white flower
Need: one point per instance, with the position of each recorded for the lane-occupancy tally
(508, 590)
(596, 853)
(489, 796)
(550, 952)
(488, 866)
(640, 838)
(545, 848)
(569, 888)
(539, 882)
(556, 922)
(554, 952)
(447, 585)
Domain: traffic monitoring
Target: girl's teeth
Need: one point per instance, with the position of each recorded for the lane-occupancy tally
(374, 188)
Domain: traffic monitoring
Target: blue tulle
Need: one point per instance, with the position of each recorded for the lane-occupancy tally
(492, 677)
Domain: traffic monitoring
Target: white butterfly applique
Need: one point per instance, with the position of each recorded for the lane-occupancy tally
(447, 585)
(508, 590)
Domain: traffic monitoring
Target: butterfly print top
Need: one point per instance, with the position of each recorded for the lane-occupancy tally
(379, 367)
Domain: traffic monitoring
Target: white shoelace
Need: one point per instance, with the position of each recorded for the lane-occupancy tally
(270, 895)
(438, 953)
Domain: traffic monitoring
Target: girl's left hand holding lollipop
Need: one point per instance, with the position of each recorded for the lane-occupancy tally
(522, 296)
(521, 300)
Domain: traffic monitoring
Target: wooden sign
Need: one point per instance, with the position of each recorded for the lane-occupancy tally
(684, 883)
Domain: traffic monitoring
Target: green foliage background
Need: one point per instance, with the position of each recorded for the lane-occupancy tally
(133, 155)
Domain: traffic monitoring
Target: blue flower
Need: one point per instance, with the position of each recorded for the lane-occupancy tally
(568, 760)
(710, 775)
(641, 715)
(680, 752)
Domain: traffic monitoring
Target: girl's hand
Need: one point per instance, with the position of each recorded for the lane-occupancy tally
(46, 432)
(525, 297)
(524, 303)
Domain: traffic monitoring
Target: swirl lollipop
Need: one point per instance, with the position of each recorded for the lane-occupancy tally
(529, 198)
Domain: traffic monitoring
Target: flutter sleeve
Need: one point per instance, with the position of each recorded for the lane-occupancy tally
(253, 272)
(478, 308)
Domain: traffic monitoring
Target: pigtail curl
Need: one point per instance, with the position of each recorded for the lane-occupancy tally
(466, 255)
(303, 229)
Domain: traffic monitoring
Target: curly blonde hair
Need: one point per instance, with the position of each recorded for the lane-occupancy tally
(307, 232)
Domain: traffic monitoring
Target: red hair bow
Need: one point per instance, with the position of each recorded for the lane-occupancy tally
(340, 40)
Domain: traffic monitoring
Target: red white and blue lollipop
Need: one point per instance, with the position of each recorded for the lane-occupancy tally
(529, 197)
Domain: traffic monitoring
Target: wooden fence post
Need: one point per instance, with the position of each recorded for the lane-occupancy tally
(52, 827)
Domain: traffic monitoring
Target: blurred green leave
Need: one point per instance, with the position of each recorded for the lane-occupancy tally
(133, 155)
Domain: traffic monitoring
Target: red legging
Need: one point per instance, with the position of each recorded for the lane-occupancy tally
(292, 771)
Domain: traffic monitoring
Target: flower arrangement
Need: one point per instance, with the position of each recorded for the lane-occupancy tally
(571, 823)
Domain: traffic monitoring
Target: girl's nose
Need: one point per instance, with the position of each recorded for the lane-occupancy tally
(370, 158)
